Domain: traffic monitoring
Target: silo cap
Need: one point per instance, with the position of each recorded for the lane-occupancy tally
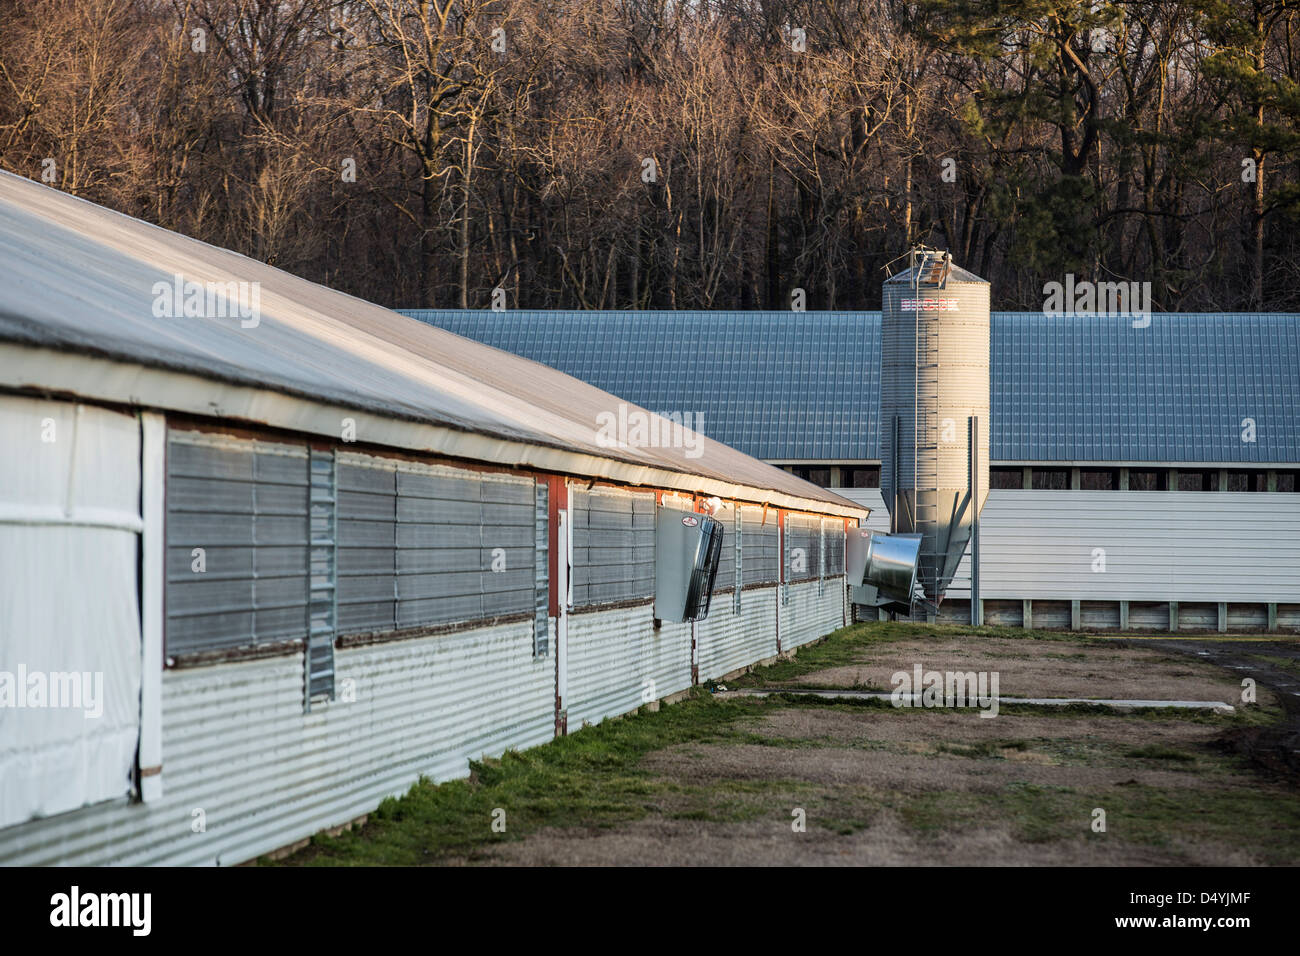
(933, 267)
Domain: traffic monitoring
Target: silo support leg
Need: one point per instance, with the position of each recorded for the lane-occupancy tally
(1223, 616)
(1075, 615)
(1272, 617)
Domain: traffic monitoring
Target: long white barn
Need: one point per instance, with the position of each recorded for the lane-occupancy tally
(269, 553)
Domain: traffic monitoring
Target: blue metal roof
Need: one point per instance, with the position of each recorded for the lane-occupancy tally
(1094, 388)
(806, 386)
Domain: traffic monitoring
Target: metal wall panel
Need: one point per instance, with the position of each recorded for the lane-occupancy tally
(870, 498)
(802, 548)
(727, 642)
(245, 504)
(1158, 546)
(834, 536)
(613, 545)
(725, 580)
(425, 544)
(762, 554)
(1038, 544)
(809, 615)
(238, 746)
(367, 542)
(737, 560)
(617, 660)
(508, 526)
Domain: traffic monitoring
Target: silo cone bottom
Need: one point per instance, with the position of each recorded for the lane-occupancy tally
(943, 519)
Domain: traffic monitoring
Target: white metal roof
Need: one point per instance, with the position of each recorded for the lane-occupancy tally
(77, 313)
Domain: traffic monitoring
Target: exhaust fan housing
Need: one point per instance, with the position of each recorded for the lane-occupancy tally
(688, 547)
(881, 568)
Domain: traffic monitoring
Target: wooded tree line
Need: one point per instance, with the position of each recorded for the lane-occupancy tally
(665, 154)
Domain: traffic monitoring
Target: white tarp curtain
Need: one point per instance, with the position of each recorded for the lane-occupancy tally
(69, 616)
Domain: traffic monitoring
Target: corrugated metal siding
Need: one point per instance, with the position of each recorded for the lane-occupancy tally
(809, 615)
(762, 554)
(237, 745)
(245, 503)
(616, 658)
(508, 532)
(728, 642)
(1159, 546)
(613, 545)
(737, 560)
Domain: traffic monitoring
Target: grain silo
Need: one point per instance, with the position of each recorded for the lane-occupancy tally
(934, 398)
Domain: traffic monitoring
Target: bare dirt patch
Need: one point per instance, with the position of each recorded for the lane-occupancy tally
(1028, 668)
(887, 842)
(849, 726)
(709, 764)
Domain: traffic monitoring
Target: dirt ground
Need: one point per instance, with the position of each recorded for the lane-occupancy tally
(1028, 668)
(1274, 665)
(888, 842)
(799, 780)
(879, 785)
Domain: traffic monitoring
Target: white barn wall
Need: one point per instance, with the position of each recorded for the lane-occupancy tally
(237, 745)
(1159, 546)
(871, 498)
